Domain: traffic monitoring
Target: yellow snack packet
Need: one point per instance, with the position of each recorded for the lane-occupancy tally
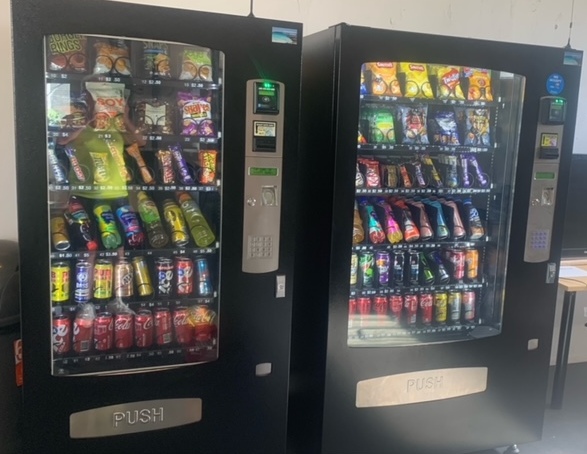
(417, 83)
(384, 80)
(479, 84)
(449, 82)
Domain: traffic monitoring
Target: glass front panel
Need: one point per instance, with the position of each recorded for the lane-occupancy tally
(436, 157)
(134, 161)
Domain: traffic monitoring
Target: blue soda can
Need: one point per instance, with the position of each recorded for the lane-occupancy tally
(382, 262)
(204, 282)
(83, 282)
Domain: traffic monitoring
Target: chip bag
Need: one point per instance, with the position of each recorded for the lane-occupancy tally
(153, 116)
(156, 59)
(112, 57)
(109, 105)
(196, 114)
(413, 120)
(449, 82)
(417, 83)
(196, 64)
(64, 110)
(476, 126)
(67, 53)
(479, 84)
(443, 128)
(383, 78)
(381, 127)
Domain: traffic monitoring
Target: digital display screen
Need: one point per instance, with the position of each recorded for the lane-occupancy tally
(265, 92)
(544, 176)
(263, 171)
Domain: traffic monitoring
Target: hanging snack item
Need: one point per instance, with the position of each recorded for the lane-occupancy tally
(196, 64)
(67, 53)
(372, 172)
(417, 83)
(156, 60)
(443, 128)
(413, 120)
(196, 114)
(449, 82)
(476, 126)
(109, 105)
(153, 116)
(112, 57)
(479, 84)
(359, 177)
(207, 161)
(381, 127)
(384, 80)
(63, 110)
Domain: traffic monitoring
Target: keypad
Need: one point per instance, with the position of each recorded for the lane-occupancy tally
(260, 247)
(539, 239)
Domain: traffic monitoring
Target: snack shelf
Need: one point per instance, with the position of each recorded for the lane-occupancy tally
(421, 191)
(132, 187)
(138, 305)
(368, 148)
(416, 289)
(53, 77)
(133, 253)
(56, 133)
(429, 101)
(457, 244)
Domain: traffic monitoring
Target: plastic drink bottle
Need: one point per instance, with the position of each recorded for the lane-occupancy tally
(79, 224)
(201, 232)
(151, 221)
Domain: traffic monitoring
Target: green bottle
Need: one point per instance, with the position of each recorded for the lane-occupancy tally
(152, 221)
(201, 232)
(107, 226)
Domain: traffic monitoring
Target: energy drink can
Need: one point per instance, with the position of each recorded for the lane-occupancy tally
(164, 270)
(426, 275)
(411, 309)
(442, 276)
(469, 306)
(414, 260)
(455, 301)
(366, 265)
(123, 277)
(472, 264)
(398, 268)
(142, 277)
(59, 235)
(426, 308)
(440, 307)
(60, 277)
(354, 269)
(382, 261)
(103, 280)
(82, 292)
(203, 276)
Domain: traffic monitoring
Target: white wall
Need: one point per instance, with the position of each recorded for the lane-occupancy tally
(525, 21)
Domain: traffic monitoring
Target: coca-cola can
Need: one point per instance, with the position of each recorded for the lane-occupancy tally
(162, 326)
(456, 258)
(144, 329)
(164, 270)
(352, 306)
(83, 333)
(364, 305)
(103, 331)
(123, 330)
(426, 308)
(181, 325)
(184, 276)
(61, 334)
(411, 309)
(396, 305)
(380, 305)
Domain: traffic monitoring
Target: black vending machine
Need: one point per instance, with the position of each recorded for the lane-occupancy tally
(426, 284)
(156, 153)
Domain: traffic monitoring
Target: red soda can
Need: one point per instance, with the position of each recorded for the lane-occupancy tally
(364, 305)
(352, 306)
(123, 327)
(103, 331)
(144, 329)
(184, 275)
(380, 305)
(456, 258)
(469, 306)
(396, 304)
(162, 326)
(181, 325)
(411, 308)
(426, 308)
(61, 334)
(83, 333)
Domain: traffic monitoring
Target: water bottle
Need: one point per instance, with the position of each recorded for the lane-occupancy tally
(201, 232)
(151, 221)
(107, 225)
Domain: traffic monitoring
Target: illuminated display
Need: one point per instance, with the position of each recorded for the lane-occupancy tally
(263, 171)
(544, 176)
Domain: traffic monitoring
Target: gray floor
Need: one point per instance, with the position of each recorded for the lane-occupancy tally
(565, 431)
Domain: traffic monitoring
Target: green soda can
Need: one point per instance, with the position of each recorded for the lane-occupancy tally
(367, 268)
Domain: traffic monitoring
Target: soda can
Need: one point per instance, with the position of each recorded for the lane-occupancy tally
(472, 264)
(426, 275)
(164, 269)
(352, 306)
(364, 305)
(123, 327)
(204, 282)
(144, 329)
(414, 260)
(103, 331)
(162, 326)
(103, 280)
(382, 262)
(396, 305)
(469, 306)
(456, 257)
(182, 326)
(82, 292)
(455, 301)
(366, 266)
(442, 276)
(61, 334)
(380, 305)
(411, 309)
(354, 268)
(60, 276)
(59, 235)
(123, 277)
(398, 268)
(83, 333)
(184, 275)
(142, 277)
(440, 307)
(426, 308)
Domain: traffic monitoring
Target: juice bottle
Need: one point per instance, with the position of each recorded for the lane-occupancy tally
(201, 232)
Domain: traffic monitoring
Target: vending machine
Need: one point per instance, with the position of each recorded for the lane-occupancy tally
(426, 285)
(156, 153)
